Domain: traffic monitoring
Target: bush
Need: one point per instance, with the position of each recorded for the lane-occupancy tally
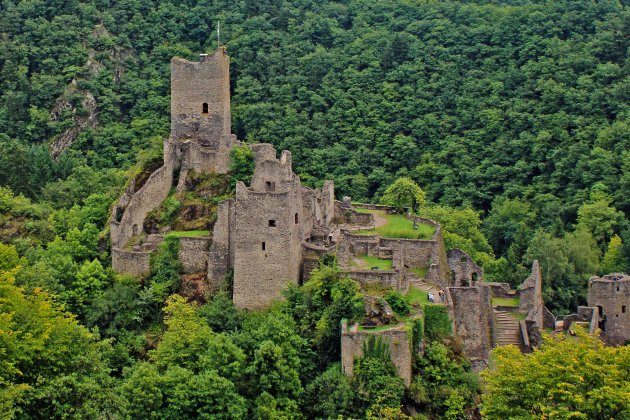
(398, 302)
(437, 324)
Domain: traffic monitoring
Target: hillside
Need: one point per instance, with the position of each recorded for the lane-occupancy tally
(512, 117)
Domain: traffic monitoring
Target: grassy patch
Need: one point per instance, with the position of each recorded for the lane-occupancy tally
(380, 328)
(398, 226)
(421, 272)
(188, 234)
(376, 262)
(513, 302)
(418, 296)
(518, 315)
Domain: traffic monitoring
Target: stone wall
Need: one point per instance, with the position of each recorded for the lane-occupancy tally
(464, 271)
(531, 301)
(193, 254)
(146, 199)
(221, 251)
(400, 347)
(610, 294)
(385, 278)
(501, 290)
(472, 321)
(134, 263)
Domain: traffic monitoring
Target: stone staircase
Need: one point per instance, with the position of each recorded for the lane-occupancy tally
(507, 329)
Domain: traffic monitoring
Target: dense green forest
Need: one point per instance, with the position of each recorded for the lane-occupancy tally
(512, 116)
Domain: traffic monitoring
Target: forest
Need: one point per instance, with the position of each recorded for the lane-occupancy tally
(512, 116)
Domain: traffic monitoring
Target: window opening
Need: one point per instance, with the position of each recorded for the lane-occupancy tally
(272, 223)
(204, 108)
(263, 246)
(296, 218)
(600, 309)
(623, 309)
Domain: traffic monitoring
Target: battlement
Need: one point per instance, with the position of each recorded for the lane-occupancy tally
(272, 174)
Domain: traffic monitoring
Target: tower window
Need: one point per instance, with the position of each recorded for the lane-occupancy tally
(263, 246)
(272, 223)
(297, 219)
(623, 309)
(271, 186)
(204, 108)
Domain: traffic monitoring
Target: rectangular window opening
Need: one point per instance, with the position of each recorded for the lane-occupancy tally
(263, 246)
(272, 223)
(623, 309)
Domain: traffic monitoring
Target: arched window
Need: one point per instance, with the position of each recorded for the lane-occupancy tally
(204, 108)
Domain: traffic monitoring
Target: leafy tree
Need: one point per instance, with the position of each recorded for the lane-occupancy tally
(575, 377)
(614, 261)
(51, 366)
(404, 193)
(241, 165)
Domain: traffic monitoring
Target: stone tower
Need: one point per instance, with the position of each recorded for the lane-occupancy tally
(200, 112)
(270, 227)
(610, 294)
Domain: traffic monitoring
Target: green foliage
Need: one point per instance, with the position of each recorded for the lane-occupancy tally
(330, 395)
(614, 261)
(443, 385)
(320, 305)
(241, 165)
(574, 377)
(376, 381)
(398, 303)
(437, 324)
(404, 193)
(51, 366)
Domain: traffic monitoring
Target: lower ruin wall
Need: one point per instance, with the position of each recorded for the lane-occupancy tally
(134, 263)
(472, 321)
(193, 254)
(399, 346)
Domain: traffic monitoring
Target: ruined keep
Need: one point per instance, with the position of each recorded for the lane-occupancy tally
(610, 297)
(262, 233)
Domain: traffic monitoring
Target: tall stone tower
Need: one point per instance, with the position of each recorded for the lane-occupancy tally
(610, 294)
(270, 225)
(200, 112)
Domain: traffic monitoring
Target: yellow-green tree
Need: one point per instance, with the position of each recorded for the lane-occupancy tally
(404, 193)
(567, 377)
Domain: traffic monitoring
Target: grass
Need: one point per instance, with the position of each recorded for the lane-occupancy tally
(188, 234)
(421, 272)
(398, 226)
(418, 296)
(518, 315)
(376, 262)
(513, 302)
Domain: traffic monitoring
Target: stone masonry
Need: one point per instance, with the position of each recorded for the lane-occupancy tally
(262, 233)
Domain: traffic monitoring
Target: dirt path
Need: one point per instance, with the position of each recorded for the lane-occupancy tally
(379, 219)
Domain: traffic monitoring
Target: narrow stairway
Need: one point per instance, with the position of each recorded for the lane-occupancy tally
(508, 329)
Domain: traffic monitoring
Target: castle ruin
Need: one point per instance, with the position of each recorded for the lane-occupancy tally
(273, 231)
(261, 233)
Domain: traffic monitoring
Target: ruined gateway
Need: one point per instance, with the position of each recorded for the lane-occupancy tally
(273, 232)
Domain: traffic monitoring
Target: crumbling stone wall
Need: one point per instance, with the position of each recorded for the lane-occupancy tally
(193, 254)
(471, 309)
(134, 263)
(386, 278)
(463, 270)
(585, 315)
(530, 294)
(610, 294)
(134, 206)
(399, 345)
